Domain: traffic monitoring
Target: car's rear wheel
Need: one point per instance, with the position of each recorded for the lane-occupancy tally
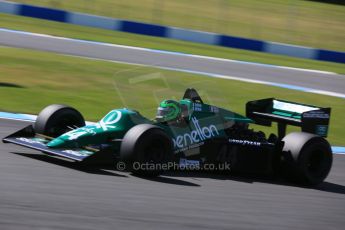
(307, 158)
(55, 120)
(145, 149)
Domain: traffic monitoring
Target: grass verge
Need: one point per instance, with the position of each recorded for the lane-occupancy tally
(87, 33)
(30, 80)
(298, 22)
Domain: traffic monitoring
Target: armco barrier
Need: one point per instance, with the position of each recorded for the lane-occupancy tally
(170, 32)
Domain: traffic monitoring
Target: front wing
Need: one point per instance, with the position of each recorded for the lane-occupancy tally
(28, 138)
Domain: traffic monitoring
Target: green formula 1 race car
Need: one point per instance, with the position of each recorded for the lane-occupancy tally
(190, 132)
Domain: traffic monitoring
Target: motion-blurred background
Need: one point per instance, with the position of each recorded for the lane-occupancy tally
(301, 22)
(30, 79)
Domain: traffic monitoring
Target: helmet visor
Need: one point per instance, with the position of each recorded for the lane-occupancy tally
(163, 112)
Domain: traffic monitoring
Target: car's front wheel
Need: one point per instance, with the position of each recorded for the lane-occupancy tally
(145, 149)
(55, 120)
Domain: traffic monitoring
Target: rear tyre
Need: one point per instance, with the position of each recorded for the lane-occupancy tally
(307, 158)
(145, 148)
(55, 120)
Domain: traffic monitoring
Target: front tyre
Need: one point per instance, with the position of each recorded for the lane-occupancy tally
(307, 158)
(145, 149)
(55, 120)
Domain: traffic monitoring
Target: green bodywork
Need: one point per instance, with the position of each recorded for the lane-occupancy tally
(199, 122)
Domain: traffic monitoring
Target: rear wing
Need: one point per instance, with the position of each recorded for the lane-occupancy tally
(310, 118)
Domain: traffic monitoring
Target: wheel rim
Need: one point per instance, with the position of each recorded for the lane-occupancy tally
(154, 152)
(318, 164)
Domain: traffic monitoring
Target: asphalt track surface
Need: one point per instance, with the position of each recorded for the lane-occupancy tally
(314, 80)
(41, 192)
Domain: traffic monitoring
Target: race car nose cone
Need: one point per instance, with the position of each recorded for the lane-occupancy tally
(56, 143)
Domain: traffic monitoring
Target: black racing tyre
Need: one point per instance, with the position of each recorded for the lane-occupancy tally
(307, 158)
(55, 119)
(145, 148)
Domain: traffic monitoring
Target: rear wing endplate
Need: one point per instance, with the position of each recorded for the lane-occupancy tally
(310, 118)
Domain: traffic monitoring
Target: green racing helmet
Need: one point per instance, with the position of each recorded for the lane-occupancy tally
(168, 110)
